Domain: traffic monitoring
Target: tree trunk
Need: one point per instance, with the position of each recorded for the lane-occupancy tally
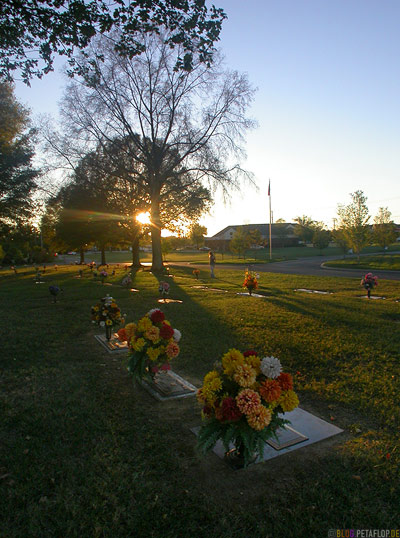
(157, 261)
(82, 256)
(135, 248)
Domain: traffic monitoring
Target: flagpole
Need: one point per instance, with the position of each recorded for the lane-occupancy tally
(270, 233)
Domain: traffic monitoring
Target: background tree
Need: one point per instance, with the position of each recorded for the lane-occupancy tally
(384, 228)
(321, 239)
(240, 242)
(197, 234)
(32, 32)
(304, 228)
(17, 176)
(339, 237)
(190, 124)
(353, 220)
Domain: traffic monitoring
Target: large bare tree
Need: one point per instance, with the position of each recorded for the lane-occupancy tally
(182, 128)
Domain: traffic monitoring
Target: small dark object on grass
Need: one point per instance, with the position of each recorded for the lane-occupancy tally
(54, 291)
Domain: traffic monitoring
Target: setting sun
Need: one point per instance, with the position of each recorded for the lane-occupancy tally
(143, 218)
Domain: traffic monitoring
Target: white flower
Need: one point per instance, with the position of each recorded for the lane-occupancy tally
(271, 367)
(177, 335)
(150, 312)
(102, 323)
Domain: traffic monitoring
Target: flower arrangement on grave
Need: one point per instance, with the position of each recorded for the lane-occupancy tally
(103, 275)
(107, 314)
(152, 342)
(163, 288)
(250, 281)
(243, 399)
(369, 281)
(196, 273)
(126, 281)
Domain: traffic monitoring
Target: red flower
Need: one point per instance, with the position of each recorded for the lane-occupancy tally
(207, 411)
(157, 316)
(166, 367)
(250, 353)
(230, 410)
(166, 331)
(285, 381)
(122, 337)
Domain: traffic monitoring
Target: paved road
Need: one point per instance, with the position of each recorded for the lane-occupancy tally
(304, 266)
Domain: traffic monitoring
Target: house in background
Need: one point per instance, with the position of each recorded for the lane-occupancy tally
(282, 235)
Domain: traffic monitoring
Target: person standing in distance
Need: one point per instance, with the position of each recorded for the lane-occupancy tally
(211, 258)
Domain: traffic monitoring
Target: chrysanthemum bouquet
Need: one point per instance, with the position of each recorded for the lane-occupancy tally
(369, 281)
(250, 281)
(152, 342)
(107, 314)
(163, 288)
(103, 275)
(196, 273)
(242, 399)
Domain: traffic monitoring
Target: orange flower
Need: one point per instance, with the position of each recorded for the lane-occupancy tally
(122, 337)
(172, 350)
(259, 418)
(247, 400)
(285, 381)
(270, 390)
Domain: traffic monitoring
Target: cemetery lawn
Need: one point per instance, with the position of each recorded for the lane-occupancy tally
(384, 262)
(85, 453)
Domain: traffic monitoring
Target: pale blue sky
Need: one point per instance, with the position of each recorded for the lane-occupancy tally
(328, 105)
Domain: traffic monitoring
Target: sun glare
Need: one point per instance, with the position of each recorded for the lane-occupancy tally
(143, 218)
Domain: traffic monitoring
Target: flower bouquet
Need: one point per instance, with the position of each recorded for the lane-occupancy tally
(163, 288)
(250, 281)
(242, 400)
(369, 282)
(152, 344)
(196, 273)
(103, 275)
(107, 314)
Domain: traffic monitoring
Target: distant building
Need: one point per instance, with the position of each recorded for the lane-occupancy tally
(282, 235)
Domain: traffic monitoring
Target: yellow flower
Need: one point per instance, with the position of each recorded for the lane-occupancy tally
(153, 334)
(231, 360)
(139, 344)
(109, 322)
(245, 375)
(255, 362)
(153, 353)
(211, 385)
(130, 330)
(144, 324)
(259, 418)
(96, 308)
(288, 400)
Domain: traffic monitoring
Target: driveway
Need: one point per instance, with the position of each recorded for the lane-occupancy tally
(302, 266)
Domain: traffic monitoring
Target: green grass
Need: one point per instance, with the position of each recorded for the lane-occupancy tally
(384, 262)
(83, 452)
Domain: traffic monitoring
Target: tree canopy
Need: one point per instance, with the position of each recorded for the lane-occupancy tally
(17, 176)
(384, 228)
(353, 222)
(180, 129)
(32, 32)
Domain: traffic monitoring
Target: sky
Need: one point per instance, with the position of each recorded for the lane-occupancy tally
(327, 106)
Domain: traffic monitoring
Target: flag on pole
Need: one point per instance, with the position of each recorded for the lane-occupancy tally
(269, 188)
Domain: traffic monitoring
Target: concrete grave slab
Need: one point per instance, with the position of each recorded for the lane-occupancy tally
(314, 291)
(252, 295)
(168, 386)
(305, 429)
(167, 301)
(113, 345)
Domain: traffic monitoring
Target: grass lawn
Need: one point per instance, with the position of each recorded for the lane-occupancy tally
(85, 453)
(387, 261)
